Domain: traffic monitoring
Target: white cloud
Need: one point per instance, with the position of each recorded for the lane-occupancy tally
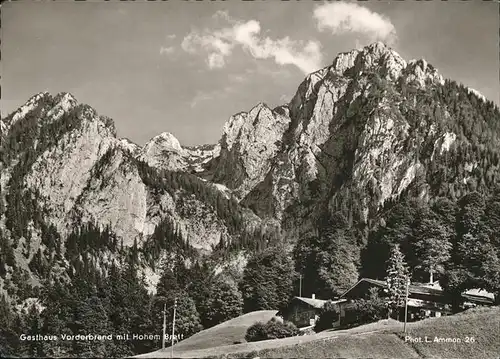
(171, 36)
(218, 45)
(166, 50)
(341, 18)
(215, 61)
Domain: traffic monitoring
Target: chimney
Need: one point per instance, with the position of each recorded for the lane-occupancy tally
(313, 296)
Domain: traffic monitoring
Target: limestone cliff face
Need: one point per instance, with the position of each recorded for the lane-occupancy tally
(61, 173)
(117, 196)
(249, 143)
(114, 195)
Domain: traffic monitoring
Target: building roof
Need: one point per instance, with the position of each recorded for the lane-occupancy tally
(428, 290)
(316, 303)
(471, 293)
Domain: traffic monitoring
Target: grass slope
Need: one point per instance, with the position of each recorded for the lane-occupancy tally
(383, 339)
(482, 324)
(224, 334)
(241, 350)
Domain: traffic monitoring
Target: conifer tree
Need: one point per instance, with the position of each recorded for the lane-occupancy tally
(93, 319)
(56, 316)
(397, 279)
(187, 321)
(8, 337)
(328, 261)
(140, 320)
(167, 283)
(119, 311)
(33, 325)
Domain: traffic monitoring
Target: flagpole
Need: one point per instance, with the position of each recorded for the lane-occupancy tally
(164, 325)
(173, 330)
(406, 302)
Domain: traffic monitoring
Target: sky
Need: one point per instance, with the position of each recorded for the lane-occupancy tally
(186, 66)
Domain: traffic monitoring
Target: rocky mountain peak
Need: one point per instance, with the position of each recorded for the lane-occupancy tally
(165, 151)
(166, 141)
(358, 137)
(374, 57)
(129, 146)
(478, 94)
(64, 96)
(64, 102)
(421, 73)
(346, 129)
(357, 107)
(22, 111)
(254, 138)
(345, 61)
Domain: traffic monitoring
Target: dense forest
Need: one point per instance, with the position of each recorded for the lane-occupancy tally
(456, 243)
(105, 297)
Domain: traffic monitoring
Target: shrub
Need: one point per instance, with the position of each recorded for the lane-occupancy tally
(328, 316)
(273, 329)
(256, 333)
(276, 329)
(366, 310)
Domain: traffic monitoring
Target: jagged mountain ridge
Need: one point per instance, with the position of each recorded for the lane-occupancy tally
(87, 174)
(356, 130)
(357, 135)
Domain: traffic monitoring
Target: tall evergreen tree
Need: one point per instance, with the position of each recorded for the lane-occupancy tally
(200, 287)
(92, 319)
(118, 294)
(337, 261)
(9, 338)
(167, 284)
(397, 230)
(33, 325)
(140, 317)
(397, 279)
(187, 320)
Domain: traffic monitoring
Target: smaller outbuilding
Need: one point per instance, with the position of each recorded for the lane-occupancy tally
(304, 311)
